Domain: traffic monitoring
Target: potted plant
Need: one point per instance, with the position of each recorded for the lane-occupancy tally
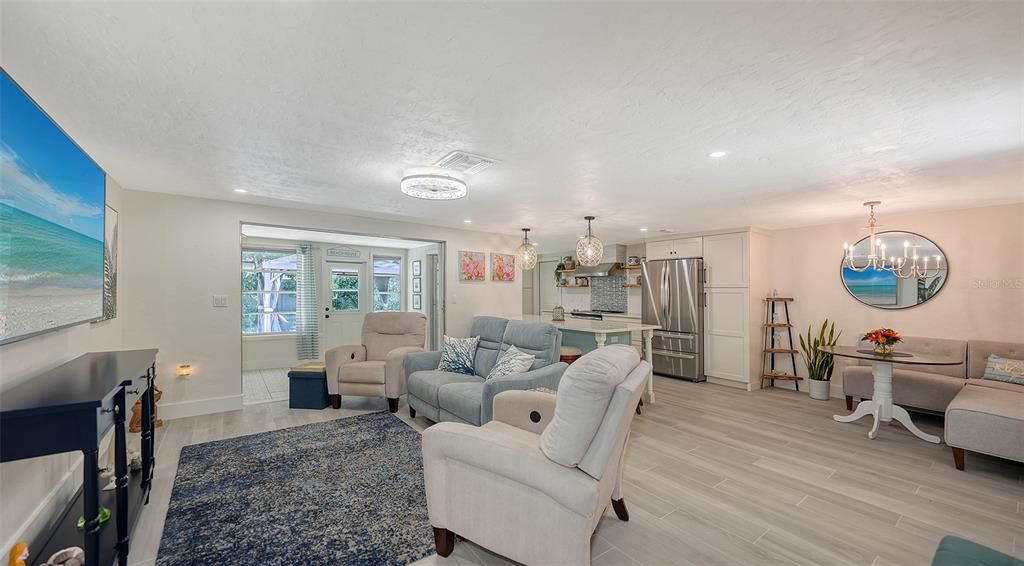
(884, 339)
(819, 364)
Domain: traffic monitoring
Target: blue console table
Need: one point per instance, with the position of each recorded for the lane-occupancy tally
(71, 408)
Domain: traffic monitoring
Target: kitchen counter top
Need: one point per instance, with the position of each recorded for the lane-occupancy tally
(617, 316)
(590, 326)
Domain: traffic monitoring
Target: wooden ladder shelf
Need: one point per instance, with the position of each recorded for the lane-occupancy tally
(771, 349)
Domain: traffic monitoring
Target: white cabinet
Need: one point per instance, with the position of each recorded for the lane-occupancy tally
(726, 333)
(674, 249)
(726, 260)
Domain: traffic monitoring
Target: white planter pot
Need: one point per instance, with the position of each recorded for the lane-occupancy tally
(819, 389)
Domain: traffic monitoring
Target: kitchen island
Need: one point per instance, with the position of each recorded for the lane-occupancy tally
(588, 335)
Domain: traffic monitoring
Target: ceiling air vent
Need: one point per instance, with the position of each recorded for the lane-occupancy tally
(466, 163)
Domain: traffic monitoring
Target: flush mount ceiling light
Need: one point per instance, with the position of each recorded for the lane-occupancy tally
(717, 154)
(467, 221)
(589, 248)
(433, 187)
(241, 191)
(526, 252)
(643, 229)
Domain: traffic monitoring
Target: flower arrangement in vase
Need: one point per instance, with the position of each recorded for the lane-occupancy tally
(884, 339)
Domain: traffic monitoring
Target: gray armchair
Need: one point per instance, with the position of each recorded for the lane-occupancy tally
(376, 368)
(444, 396)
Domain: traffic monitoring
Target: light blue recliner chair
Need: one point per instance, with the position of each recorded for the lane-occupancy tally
(444, 396)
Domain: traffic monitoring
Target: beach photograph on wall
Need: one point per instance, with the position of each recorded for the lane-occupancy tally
(52, 198)
(472, 266)
(503, 267)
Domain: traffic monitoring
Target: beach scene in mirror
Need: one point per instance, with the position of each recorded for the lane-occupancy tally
(913, 271)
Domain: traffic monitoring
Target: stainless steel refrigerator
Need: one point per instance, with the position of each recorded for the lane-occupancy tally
(673, 299)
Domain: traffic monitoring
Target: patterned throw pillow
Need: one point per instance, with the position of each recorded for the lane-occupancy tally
(1004, 369)
(458, 353)
(511, 361)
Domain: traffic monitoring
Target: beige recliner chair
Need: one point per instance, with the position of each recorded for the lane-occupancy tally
(376, 368)
(533, 483)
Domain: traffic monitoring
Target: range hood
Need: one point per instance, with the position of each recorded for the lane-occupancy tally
(614, 256)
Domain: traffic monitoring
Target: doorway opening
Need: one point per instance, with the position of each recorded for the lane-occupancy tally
(306, 291)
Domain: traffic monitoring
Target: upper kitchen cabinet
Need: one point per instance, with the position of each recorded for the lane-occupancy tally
(675, 249)
(727, 260)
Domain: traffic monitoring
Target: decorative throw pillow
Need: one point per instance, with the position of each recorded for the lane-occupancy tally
(584, 392)
(1004, 369)
(511, 361)
(458, 353)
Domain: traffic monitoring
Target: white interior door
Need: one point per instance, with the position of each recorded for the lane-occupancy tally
(547, 288)
(434, 296)
(529, 287)
(345, 302)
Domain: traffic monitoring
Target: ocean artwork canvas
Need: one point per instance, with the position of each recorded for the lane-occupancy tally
(52, 198)
(503, 267)
(871, 287)
(472, 266)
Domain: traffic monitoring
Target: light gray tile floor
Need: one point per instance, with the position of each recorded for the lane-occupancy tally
(721, 476)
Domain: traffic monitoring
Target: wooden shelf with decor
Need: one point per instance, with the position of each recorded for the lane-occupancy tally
(769, 369)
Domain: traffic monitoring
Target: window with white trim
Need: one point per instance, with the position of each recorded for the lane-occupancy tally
(387, 283)
(345, 288)
(268, 292)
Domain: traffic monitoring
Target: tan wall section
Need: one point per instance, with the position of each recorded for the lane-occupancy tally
(983, 298)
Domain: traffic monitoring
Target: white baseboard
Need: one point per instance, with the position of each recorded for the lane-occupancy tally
(198, 407)
(51, 504)
(729, 383)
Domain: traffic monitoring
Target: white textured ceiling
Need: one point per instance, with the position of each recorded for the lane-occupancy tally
(604, 109)
(298, 235)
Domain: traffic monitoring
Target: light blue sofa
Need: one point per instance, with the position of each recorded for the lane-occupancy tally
(443, 396)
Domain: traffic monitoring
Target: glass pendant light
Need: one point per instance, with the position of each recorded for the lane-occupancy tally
(526, 252)
(589, 248)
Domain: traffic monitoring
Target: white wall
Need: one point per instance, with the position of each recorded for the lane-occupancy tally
(983, 297)
(178, 251)
(34, 490)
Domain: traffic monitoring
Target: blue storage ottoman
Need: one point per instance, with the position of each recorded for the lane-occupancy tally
(307, 386)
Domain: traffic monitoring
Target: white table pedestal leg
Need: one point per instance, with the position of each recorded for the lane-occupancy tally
(600, 337)
(903, 417)
(649, 356)
(864, 408)
(881, 406)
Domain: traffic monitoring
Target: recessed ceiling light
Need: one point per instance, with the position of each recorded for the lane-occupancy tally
(717, 154)
(468, 221)
(241, 191)
(643, 229)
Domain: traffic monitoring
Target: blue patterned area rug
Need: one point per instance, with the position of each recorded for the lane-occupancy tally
(347, 491)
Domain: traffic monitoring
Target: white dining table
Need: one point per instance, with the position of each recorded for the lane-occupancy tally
(880, 406)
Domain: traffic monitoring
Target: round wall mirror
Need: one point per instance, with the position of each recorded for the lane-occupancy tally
(912, 271)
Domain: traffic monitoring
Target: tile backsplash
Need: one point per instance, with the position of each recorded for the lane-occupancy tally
(608, 293)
